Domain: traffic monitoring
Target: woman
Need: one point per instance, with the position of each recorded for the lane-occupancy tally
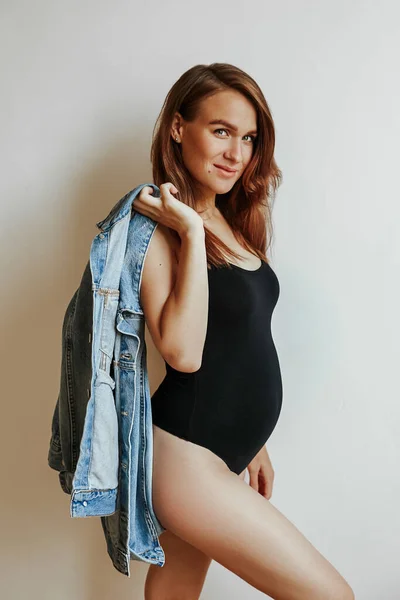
(208, 293)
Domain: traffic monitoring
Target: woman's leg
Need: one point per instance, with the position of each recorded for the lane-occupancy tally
(199, 500)
(183, 573)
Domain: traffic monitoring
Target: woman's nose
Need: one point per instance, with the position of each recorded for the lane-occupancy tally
(235, 150)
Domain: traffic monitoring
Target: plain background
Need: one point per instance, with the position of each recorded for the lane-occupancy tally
(82, 84)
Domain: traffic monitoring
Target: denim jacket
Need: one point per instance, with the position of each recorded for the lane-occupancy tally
(101, 433)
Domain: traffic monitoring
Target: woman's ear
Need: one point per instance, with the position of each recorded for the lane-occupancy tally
(176, 127)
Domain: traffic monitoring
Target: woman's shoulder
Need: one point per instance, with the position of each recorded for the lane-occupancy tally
(166, 236)
(163, 249)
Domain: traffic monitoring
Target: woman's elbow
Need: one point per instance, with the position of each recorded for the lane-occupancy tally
(183, 363)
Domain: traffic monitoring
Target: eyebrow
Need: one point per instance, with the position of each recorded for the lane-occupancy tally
(229, 125)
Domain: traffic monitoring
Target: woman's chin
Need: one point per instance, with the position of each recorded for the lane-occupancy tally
(217, 186)
(222, 187)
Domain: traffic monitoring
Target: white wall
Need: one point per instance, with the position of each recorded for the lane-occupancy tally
(82, 83)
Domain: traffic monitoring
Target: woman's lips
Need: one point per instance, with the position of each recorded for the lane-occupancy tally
(224, 172)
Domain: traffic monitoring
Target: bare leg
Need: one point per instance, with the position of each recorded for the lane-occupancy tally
(199, 500)
(183, 573)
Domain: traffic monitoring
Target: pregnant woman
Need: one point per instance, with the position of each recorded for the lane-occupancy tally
(208, 293)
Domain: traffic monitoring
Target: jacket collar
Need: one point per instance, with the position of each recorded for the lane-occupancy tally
(123, 206)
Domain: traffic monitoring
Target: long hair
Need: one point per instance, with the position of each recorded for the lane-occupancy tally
(247, 207)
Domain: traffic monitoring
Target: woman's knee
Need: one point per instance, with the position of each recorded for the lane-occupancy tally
(342, 592)
(327, 585)
(347, 593)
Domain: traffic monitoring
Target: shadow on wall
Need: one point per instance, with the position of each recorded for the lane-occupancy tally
(57, 249)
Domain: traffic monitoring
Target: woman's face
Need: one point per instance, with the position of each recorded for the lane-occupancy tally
(208, 141)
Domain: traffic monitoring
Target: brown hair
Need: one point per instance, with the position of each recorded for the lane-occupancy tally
(247, 206)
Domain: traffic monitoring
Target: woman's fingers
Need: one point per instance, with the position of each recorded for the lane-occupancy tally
(167, 210)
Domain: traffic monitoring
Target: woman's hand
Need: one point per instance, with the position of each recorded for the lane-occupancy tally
(261, 473)
(167, 210)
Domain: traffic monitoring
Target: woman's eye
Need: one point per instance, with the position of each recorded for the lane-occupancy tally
(252, 137)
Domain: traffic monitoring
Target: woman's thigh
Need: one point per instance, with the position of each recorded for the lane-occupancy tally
(201, 501)
(184, 571)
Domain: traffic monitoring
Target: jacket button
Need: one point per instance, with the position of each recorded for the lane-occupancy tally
(84, 503)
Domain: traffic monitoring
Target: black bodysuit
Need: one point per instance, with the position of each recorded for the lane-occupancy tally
(232, 403)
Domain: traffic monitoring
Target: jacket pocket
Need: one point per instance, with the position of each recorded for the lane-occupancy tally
(131, 326)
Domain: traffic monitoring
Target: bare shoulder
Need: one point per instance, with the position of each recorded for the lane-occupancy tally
(163, 250)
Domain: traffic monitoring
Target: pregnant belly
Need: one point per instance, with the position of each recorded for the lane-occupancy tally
(241, 407)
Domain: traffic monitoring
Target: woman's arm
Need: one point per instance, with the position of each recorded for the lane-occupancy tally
(174, 296)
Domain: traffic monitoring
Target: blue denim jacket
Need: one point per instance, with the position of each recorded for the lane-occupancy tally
(102, 436)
